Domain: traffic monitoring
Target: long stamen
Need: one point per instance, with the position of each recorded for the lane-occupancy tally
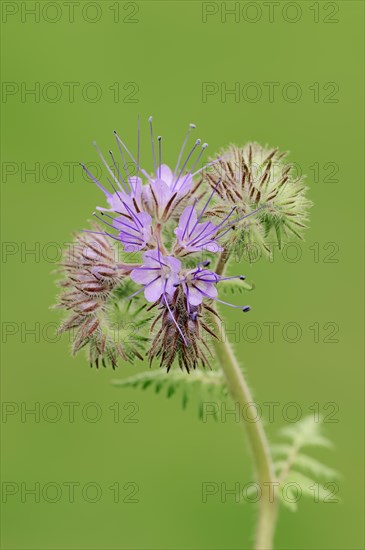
(134, 217)
(157, 260)
(243, 308)
(131, 156)
(137, 237)
(142, 289)
(101, 233)
(205, 207)
(205, 263)
(204, 234)
(118, 221)
(126, 241)
(138, 145)
(135, 293)
(133, 214)
(118, 172)
(145, 268)
(191, 127)
(97, 182)
(188, 220)
(172, 315)
(187, 298)
(232, 224)
(206, 276)
(241, 277)
(227, 217)
(103, 221)
(159, 139)
(125, 165)
(205, 166)
(125, 204)
(204, 146)
(153, 145)
(105, 163)
(197, 143)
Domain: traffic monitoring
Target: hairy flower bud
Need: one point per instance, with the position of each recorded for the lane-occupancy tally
(92, 284)
(254, 176)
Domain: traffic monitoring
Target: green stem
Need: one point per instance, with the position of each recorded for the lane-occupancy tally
(241, 394)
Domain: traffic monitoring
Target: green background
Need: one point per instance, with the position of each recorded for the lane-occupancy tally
(169, 53)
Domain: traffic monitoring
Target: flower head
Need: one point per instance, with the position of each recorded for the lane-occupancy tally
(167, 219)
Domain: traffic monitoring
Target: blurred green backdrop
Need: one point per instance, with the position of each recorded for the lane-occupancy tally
(94, 67)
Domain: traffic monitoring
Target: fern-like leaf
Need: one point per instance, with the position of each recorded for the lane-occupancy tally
(297, 471)
(211, 383)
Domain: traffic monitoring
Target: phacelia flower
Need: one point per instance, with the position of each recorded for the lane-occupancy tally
(167, 219)
(134, 231)
(200, 283)
(193, 236)
(158, 274)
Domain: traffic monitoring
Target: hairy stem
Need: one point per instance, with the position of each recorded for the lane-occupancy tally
(241, 394)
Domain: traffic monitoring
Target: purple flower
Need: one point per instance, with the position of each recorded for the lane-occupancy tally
(199, 284)
(164, 189)
(159, 275)
(134, 231)
(194, 236)
(121, 200)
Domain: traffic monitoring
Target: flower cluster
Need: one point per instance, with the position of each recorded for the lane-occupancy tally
(174, 223)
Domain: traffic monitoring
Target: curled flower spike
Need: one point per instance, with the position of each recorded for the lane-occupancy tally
(252, 176)
(182, 334)
(92, 276)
